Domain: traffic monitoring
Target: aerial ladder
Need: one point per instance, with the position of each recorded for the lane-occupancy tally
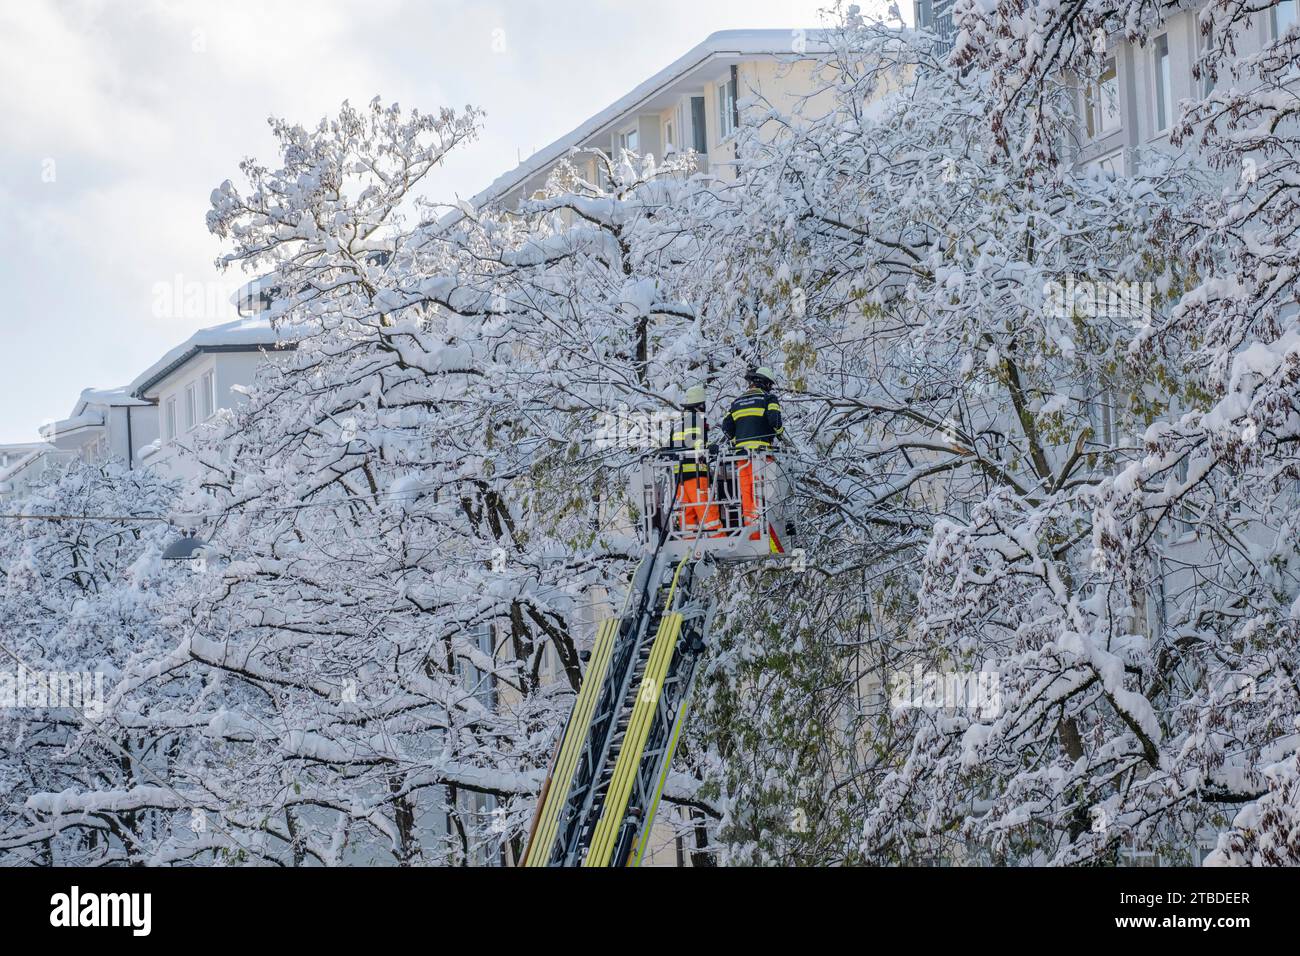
(598, 803)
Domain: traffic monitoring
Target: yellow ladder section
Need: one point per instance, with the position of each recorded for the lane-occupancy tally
(663, 779)
(638, 729)
(575, 736)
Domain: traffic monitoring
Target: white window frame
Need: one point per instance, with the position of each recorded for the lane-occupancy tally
(191, 406)
(1278, 27)
(670, 139)
(726, 98)
(1111, 164)
(1095, 100)
(630, 139)
(208, 393)
(1204, 43)
(1162, 78)
(169, 417)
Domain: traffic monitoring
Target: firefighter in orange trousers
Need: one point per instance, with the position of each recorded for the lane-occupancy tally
(690, 441)
(753, 424)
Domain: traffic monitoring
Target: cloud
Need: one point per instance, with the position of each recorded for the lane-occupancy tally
(62, 88)
(145, 106)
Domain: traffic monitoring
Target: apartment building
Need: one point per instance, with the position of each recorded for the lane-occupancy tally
(693, 103)
(192, 381)
(23, 464)
(1129, 109)
(103, 424)
(150, 422)
(1135, 100)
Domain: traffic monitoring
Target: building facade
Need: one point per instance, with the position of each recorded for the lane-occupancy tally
(1134, 101)
(151, 422)
(696, 102)
(193, 381)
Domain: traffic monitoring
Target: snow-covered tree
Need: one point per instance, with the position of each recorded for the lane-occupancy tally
(413, 516)
(1042, 427)
(969, 334)
(973, 331)
(82, 766)
(1140, 607)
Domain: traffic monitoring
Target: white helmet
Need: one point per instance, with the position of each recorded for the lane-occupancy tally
(694, 395)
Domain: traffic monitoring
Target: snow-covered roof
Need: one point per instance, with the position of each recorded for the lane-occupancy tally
(721, 44)
(82, 414)
(113, 397)
(241, 335)
(36, 452)
(22, 446)
(84, 420)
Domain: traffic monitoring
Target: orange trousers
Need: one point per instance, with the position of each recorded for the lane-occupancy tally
(748, 504)
(695, 508)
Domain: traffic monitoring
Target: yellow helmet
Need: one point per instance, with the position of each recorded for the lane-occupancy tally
(694, 395)
(763, 375)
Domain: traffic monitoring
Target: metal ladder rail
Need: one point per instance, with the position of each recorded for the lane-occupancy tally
(661, 742)
(615, 739)
(613, 812)
(605, 736)
(601, 823)
(560, 777)
(629, 652)
(618, 781)
(627, 641)
(600, 733)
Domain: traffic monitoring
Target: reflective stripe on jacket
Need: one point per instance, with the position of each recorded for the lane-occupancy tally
(690, 437)
(754, 420)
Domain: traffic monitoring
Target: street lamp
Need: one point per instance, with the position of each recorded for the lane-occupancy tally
(185, 548)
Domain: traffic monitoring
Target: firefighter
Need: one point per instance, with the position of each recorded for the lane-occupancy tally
(753, 425)
(690, 441)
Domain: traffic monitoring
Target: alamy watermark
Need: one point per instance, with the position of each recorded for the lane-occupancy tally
(34, 689)
(628, 428)
(976, 691)
(1117, 299)
(130, 910)
(190, 299)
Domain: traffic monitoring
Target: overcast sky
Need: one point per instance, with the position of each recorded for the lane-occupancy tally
(119, 118)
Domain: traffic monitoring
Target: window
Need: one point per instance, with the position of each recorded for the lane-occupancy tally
(1283, 17)
(482, 682)
(191, 406)
(208, 394)
(1101, 416)
(1110, 165)
(630, 140)
(1103, 101)
(670, 141)
(699, 140)
(1207, 79)
(936, 16)
(727, 107)
(170, 418)
(1164, 85)
(1184, 516)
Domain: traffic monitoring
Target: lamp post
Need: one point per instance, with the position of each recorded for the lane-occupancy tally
(185, 548)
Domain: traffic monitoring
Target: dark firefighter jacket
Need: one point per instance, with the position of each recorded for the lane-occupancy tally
(689, 440)
(754, 420)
